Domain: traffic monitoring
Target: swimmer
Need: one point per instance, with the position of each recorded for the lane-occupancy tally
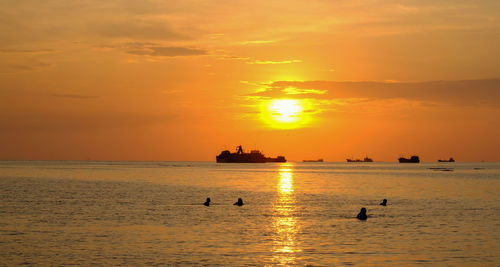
(384, 202)
(239, 202)
(362, 214)
(207, 203)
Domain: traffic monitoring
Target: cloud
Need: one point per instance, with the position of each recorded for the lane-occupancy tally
(168, 51)
(32, 121)
(265, 62)
(480, 92)
(75, 96)
(16, 68)
(230, 57)
(173, 51)
(140, 52)
(137, 28)
(27, 51)
(172, 91)
(297, 91)
(257, 42)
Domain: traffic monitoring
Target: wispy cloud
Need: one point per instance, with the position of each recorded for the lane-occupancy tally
(481, 92)
(265, 62)
(27, 51)
(75, 96)
(257, 42)
(168, 51)
(24, 67)
(298, 91)
(76, 121)
(177, 51)
(138, 28)
(172, 91)
(254, 83)
(230, 57)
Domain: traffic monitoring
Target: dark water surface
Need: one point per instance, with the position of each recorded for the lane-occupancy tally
(152, 213)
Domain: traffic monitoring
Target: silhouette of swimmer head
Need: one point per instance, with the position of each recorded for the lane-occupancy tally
(384, 202)
(239, 202)
(362, 214)
(207, 203)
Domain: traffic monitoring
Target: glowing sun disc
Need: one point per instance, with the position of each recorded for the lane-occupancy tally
(285, 110)
(286, 113)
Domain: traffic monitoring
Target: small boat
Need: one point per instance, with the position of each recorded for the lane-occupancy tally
(413, 159)
(446, 160)
(255, 156)
(312, 160)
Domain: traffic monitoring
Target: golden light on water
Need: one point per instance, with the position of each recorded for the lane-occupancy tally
(285, 223)
(286, 113)
(285, 185)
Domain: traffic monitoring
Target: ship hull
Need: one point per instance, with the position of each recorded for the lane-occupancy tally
(312, 160)
(237, 159)
(278, 159)
(404, 160)
(242, 157)
(358, 160)
(408, 161)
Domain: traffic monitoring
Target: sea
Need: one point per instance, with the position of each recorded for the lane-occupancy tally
(151, 213)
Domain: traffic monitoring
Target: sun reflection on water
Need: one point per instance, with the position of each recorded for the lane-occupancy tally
(285, 223)
(285, 185)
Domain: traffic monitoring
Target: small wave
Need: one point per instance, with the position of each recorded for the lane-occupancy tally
(441, 169)
(174, 165)
(8, 232)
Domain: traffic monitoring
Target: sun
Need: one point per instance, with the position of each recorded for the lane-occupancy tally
(285, 113)
(285, 110)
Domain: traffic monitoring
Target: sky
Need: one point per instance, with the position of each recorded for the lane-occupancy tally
(183, 80)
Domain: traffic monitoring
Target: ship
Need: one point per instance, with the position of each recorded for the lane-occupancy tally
(312, 160)
(413, 159)
(255, 156)
(446, 160)
(366, 159)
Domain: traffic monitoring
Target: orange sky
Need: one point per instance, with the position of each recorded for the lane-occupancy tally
(183, 80)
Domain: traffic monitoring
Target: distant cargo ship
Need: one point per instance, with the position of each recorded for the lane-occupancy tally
(445, 160)
(413, 159)
(366, 159)
(255, 156)
(312, 160)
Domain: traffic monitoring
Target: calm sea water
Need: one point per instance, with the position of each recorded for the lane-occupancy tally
(151, 213)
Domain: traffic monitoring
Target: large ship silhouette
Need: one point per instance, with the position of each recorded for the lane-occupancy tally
(255, 156)
(413, 159)
(312, 160)
(366, 159)
(446, 160)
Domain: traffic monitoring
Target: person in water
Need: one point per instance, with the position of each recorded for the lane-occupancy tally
(362, 214)
(207, 203)
(239, 202)
(384, 202)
